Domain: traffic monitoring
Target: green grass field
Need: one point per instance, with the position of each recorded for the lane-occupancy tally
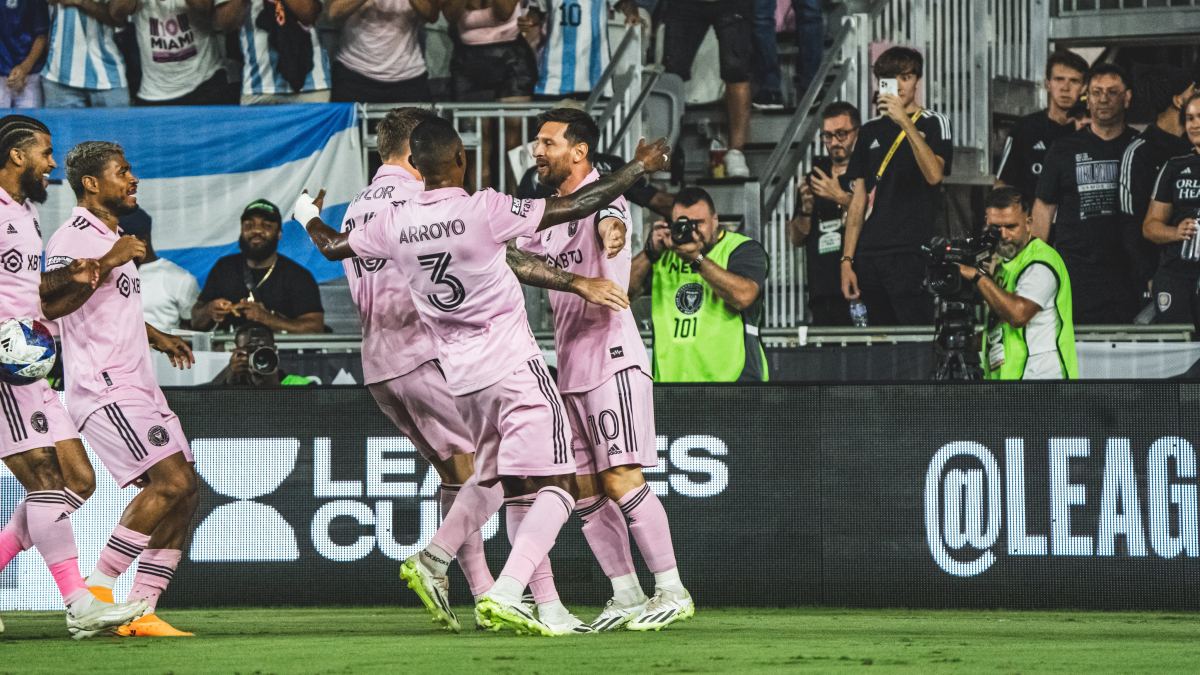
(355, 640)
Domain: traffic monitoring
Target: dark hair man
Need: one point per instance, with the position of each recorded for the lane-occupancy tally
(1025, 148)
(259, 284)
(903, 155)
(1079, 192)
(1029, 334)
(823, 199)
(706, 297)
(448, 245)
(41, 446)
(168, 290)
(244, 370)
(1166, 88)
(112, 393)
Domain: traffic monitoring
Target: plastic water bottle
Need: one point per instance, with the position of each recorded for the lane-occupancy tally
(858, 314)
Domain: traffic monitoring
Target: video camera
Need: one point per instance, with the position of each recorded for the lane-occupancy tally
(942, 278)
(955, 302)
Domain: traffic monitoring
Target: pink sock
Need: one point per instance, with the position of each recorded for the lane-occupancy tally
(648, 522)
(123, 546)
(15, 536)
(49, 526)
(607, 535)
(550, 510)
(70, 583)
(154, 571)
(541, 583)
(470, 554)
(472, 508)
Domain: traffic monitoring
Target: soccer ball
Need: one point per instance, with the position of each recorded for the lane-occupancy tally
(26, 351)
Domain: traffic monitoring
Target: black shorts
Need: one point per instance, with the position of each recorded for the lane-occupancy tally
(688, 22)
(892, 288)
(354, 87)
(490, 72)
(1174, 296)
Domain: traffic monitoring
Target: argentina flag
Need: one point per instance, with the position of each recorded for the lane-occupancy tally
(199, 167)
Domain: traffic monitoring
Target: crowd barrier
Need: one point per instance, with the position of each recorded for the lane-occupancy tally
(925, 495)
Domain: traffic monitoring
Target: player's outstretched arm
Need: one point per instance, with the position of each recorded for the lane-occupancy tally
(178, 351)
(532, 270)
(332, 244)
(649, 158)
(66, 289)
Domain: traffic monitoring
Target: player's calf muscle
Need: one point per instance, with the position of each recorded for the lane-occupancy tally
(36, 469)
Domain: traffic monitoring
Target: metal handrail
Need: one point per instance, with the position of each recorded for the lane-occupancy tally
(654, 74)
(610, 71)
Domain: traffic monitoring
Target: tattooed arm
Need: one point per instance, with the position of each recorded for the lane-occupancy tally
(648, 159)
(532, 270)
(66, 289)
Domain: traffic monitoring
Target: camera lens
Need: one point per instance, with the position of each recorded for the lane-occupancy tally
(264, 361)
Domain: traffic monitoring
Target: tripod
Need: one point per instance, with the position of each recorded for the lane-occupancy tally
(954, 343)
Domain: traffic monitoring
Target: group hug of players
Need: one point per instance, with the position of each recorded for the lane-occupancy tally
(447, 354)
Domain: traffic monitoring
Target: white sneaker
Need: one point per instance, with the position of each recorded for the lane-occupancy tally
(615, 616)
(735, 164)
(567, 624)
(664, 609)
(99, 616)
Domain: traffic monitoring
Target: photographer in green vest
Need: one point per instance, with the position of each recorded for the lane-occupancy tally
(706, 292)
(1029, 334)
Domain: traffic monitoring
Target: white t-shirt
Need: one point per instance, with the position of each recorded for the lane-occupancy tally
(178, 48)
(380, 41)
(1038, 284)
(168, 293)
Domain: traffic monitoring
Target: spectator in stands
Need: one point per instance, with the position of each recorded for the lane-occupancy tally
(1172, 220)
(824, 198)
(902, 157)
(1165, 88)
(767, 89)
(180, 53)
(687, 22)
(255, 361)
(706, 296)
(1079, 193)
(282, 59)
(1032, 135)
(84, 68)
(1030, 334)
(574, 45)
(259, 285)
(810, 41)
(380, 59)
(168, 290)
(22, 52)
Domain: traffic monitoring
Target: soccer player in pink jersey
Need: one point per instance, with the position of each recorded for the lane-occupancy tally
(112, 394)
(604, 377)
(451, 247)
(38, 443)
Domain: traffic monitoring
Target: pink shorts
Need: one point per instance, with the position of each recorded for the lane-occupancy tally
(613, 424)
(421, 406)
(132, 436)
(519, 426)
(34, 417)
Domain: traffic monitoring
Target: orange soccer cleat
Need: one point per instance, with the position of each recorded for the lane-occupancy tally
(150, 626)
(102, 593)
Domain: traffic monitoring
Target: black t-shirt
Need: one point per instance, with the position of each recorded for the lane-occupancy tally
(1025, 150)
(641, 193)
(1178, 184)
(905, 203)
(823, 247)
(1140, 165)
(290, 290)
(1082, 177)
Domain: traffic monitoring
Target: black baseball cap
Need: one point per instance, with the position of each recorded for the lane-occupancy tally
(264, 208)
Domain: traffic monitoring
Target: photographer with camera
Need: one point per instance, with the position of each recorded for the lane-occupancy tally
(1030, 334)
(255, 361)
(706, 290)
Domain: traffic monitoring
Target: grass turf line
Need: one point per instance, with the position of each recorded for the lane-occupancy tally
(356, 640)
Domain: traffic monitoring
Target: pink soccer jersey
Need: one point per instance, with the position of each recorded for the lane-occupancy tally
(20, 259)
(593, 342)
(395, 340)
(450, 246)
(106, 356)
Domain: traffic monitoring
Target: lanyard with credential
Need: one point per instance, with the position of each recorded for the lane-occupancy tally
(895, 146)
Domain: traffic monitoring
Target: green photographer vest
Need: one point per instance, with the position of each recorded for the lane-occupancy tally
(1012, 339)
(697, 338)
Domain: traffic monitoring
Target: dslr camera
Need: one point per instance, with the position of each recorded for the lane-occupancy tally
(683, 230)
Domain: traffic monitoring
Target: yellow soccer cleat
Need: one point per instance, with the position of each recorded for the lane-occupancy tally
(150, 626)
(102, 593)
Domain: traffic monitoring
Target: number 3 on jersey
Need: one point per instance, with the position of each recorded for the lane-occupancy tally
(437, 263)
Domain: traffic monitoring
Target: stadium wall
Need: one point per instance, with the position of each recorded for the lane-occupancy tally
(926, 495)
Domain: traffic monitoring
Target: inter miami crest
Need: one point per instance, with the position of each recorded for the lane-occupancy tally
(157, 436)
(572, 228)
(39, 422)
(689, 297)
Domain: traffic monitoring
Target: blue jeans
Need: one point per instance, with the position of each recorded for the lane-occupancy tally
(766, 54)
(63, 96)
(810, 41)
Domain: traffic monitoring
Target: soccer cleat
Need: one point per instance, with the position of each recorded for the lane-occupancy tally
(566, 625)
(432, 590)
(664, 609)
(495, 614)
(614, 616)
(1, 626)
(101, 617)
(102, 593)
(150, 626)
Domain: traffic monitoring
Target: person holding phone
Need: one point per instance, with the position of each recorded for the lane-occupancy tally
(898, 164)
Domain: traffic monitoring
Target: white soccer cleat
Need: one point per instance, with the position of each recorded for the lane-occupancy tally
(664, 609)
(495, 613)
(569, 624)
(434, 591)
(615, 616)
(101, 617)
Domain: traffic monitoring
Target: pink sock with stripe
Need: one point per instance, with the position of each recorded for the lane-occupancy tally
(471, 554)
(541, 583)
(607, 535)
(537, 532)
(648, 523)
(15, 538)
(123, 546)
(49, 526)
(155, 568)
